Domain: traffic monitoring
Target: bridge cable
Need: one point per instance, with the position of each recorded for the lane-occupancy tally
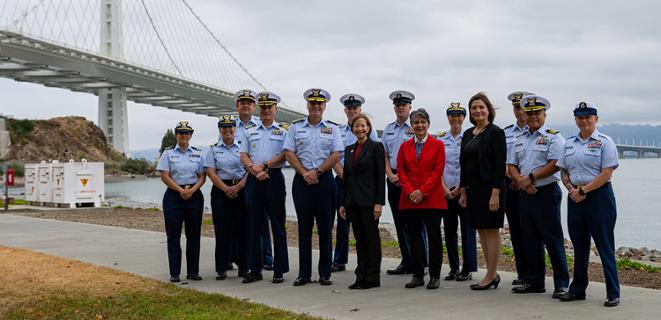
(160, 39)
(221, 45)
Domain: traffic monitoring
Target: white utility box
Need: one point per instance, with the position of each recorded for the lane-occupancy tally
(78, 183)
(44, 181)
(31, 183)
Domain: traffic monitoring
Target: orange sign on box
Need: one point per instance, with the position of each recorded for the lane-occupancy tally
(84, 181)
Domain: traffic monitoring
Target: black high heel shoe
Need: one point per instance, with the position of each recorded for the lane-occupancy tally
(493, 283)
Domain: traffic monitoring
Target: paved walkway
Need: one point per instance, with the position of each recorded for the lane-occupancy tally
(143, 253)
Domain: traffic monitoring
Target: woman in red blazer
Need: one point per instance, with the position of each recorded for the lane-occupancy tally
(420, 164)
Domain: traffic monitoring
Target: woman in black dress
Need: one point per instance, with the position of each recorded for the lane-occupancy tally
(482, 160)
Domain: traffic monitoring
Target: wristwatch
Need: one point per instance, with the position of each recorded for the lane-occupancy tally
(581, 191)
(532, 177)
(319, 172)
(266, 166)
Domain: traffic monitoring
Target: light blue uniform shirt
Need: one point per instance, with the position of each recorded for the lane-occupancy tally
(183, 166)
(533, 151)
(393, 136)
(262, 144)
(348, 138)
(241, 128)
(313, 144)
(452, 172)
(226, 160)
(513, 132)
(584, 159)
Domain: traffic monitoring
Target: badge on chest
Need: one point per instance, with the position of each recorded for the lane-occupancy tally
(542, 141)
(595, 145)
(327, 130)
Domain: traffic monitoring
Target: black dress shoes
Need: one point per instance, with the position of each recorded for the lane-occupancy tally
(571, 297)
(337, 267)
(559, 292)
(278, 279)
(415, 282)
(221, 275)
(611, 302)
(356, 285)
(174, 279)
(301, 281)
(451, 276)
(325, 281)
(518, 281)
(494, 283)
(433, 283)
(267, 267)
(243, 274)
(252, 277)
(194, 277)
(401, 269)
(464, 276)
(527, 288)
(369, 285)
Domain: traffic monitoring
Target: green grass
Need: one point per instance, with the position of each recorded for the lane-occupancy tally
(390, 244)
(165, 302)
(629, 264)
(208, 222)
(16, 202)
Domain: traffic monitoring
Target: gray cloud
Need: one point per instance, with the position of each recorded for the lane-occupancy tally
(568, 51)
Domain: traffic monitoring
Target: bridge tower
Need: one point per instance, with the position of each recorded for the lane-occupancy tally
(113, 115)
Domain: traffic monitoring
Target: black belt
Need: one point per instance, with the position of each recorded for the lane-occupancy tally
(185, 186)
(231, 182)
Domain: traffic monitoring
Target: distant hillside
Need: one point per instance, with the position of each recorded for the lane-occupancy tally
(59, 138)
(641, 134)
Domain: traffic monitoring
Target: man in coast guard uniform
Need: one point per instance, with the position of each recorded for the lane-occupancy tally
(589, 160)
(352, 106)
(313, 147)
(394, 134)
(531, 164)
(512, 132)
(245, 107)
(262, 153)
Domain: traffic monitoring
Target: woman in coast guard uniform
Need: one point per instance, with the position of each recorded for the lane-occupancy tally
(182, 171)
(588, 162)
(228, 203)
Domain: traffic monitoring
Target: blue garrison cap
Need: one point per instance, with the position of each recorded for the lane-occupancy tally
(401, 96)
(183, 127)
(266, 98)
(516, 97)
(316, 95)
(226, 121)
(585, 109)
(456, 108)
(352, 100)
(534, 103)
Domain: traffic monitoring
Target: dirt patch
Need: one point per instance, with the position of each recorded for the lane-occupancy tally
(151, 219)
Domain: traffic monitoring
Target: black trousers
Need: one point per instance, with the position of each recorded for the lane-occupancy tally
(368, 243)
(177, 213)
(418, 220)
(516, 232)
(451, 218)
(230, 225)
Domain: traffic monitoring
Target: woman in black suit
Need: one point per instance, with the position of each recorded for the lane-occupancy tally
(482, 161)
(362, 200)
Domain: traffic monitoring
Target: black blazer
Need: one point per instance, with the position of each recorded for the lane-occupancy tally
(491, 157)
(366, 185)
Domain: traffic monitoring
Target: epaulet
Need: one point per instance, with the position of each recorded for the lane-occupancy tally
(284, 125)
(332, 122)
(213, 144)
(169, 148)
(442, 134)
(552, 131)
(196, 148)
(298, 120)
(510, 126)
(252, 125)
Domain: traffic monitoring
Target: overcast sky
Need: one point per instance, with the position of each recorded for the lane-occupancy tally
(607, 52)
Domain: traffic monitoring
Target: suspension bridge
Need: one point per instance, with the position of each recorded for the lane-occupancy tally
(123, 50)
